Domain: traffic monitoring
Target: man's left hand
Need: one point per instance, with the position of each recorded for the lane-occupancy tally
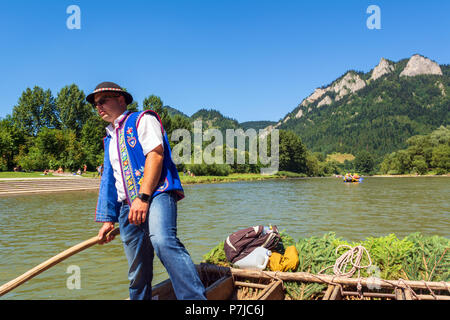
(138, 211)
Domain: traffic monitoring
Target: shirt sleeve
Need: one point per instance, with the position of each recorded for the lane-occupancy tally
(149, 133)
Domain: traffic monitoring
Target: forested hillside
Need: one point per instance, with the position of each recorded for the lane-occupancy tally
(360, 111)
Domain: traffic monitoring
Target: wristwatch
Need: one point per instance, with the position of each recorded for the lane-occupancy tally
(144, 197)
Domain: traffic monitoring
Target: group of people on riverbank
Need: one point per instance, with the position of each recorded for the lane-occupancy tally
(60, 171)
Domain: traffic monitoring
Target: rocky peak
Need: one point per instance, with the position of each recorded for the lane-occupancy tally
(350, 83)
(418, 65)
(314, 96)
(381, 69)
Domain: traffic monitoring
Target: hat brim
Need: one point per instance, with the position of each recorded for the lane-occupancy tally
(128, 97)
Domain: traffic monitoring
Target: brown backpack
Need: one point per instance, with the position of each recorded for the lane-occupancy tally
(241, 243)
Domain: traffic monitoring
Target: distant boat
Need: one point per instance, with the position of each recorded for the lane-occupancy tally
(352, 178)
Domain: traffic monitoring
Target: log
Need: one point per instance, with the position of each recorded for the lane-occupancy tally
(273, 291)
(328, 279)
(393, 296)
(250, 285)
(327, 294)
(337, 293)
(51, 262)
(399, 294)
(408, 294)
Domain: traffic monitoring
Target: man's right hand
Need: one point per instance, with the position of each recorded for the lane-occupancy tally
(107, 227)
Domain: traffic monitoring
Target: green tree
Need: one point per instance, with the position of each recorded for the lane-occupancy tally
(133, 107)
(155, 103)
(52, 148)
(35, 109)
(364, 162)
(11, 138)
(72, 108)
(441, 157)
(92, 135)
(292, 152)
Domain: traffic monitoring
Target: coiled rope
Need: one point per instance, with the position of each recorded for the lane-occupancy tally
(352, 256)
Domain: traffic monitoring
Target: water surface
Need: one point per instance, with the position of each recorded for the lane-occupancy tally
(34, 228)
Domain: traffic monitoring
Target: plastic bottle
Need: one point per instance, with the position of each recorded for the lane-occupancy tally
(257, 259)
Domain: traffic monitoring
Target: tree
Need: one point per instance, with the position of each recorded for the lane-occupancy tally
(155, 103)
(441, 157)
(52, 148)
(133, 107)
(292, 152)
(92, 136)
(72, 108)
(364, 162)
(11, 138)
(35, 109)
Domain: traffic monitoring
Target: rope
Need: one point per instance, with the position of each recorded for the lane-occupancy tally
(353, 256)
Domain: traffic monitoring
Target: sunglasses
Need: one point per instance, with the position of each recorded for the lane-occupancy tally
(103, 100)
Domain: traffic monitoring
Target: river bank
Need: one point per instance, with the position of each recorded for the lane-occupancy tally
(35, 182)
(234, 177)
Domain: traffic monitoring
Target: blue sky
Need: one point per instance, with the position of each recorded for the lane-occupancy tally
(251, 60)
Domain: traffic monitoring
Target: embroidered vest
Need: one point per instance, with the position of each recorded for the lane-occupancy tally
(132, 162)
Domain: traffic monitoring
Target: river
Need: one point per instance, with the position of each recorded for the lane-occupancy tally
(36, 227)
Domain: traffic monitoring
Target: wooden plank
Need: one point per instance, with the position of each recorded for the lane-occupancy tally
(250, 284)
(222, 289)
(263, 292)
(408, 294)
(328, 292)
(274, 292)
(370, 294)
(336, 294)
(399, 294)
(163, 291)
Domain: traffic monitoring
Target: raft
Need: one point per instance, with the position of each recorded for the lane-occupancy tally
(352, 179)
(225, 283)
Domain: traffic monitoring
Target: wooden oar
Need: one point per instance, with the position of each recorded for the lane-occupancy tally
(52, 261)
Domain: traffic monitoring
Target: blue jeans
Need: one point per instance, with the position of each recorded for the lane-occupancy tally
(158, 234)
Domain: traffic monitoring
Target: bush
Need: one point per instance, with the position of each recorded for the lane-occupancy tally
(209, 169)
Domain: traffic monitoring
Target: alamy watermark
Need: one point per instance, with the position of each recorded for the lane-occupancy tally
(74, 280)
(231, 150)
(374, 20)
(74, 20)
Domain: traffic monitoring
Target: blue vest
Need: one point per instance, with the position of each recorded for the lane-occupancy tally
(132, 162)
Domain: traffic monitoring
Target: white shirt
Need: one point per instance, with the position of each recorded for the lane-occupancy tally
(149, 136)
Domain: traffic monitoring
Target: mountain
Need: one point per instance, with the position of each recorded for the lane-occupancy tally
(214, 119)
(375, 111)
(256, 124)
(174, 112)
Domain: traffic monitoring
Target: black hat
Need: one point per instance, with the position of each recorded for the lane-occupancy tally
(109, 86)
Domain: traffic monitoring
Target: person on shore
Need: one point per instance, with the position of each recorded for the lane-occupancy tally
(139, 189)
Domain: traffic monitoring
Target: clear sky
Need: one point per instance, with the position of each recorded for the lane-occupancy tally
(251, 60)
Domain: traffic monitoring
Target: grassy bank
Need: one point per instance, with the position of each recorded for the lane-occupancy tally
(9, 174)
(415, 257)
(237, 177)
(38, 174)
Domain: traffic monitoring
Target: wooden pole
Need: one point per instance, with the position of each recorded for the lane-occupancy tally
(53, 261)
(329, 279)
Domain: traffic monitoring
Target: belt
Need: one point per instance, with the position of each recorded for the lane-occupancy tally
(125, 202)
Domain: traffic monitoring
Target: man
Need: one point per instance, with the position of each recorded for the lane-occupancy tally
(139, 189)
